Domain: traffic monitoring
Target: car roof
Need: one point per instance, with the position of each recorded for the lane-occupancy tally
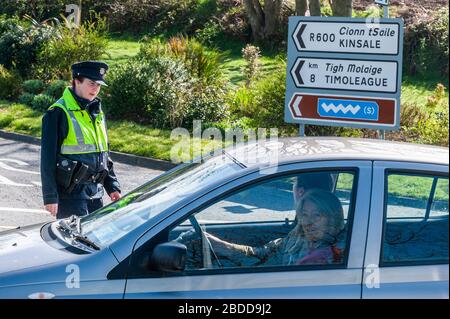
(293, 149)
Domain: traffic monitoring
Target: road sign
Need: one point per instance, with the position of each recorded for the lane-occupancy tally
(344, 71)
(365, 37)
(347, 75)
(343, 110)
(382, 2)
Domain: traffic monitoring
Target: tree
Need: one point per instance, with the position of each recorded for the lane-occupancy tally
(264, 15)
(341, 8)
(300, 7)
(314, 7)
(264, 19)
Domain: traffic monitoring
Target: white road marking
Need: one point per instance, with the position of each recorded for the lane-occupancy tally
(24, 210)
(20, 163)
(8, 227)
(6, 181)
(37, 183)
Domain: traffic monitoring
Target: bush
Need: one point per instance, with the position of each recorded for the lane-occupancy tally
(269, 100)
(242, 102)
(233, 20)
(33, 86)
(200, 62)
(426, 45)
(26, 98)
(72, 44)
(410, 114)
(263, 102)
(20, 44)
(209, 33)
(41, 102)
(56, 88)
(39, 10)
(45, 9)
(157, 16)
(427, 124)
(228, 19)
(437, 99)
(148, 91)
(207, 103)
(435, 129)
(262, 105)
(131, 15)
(7, 24)
(10, 83)
(161, 92)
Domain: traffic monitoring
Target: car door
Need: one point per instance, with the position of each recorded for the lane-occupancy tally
(407, 249)
(254, 211)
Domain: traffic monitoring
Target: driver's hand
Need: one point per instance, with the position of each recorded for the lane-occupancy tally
(186, 236)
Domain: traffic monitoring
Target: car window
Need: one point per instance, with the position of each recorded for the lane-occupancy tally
(416, 219)
(269, 201)
(257, 226)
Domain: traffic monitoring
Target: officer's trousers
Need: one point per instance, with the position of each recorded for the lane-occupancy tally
(79, 207)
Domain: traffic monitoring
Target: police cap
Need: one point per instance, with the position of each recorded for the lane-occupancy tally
(93, 70)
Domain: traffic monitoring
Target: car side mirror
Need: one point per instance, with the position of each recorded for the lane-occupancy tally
(168, 257)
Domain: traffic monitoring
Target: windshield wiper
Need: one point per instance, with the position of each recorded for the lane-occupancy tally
(241, 165)
(85, 241)
(62, 225)
(73, 229)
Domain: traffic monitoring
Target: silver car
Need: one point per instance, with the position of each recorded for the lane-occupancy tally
(166, 238)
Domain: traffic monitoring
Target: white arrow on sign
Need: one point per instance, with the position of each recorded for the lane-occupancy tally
(294, 105)
(368, 37)
(346, 75)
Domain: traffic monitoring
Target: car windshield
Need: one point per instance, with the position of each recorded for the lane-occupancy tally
(111, 222)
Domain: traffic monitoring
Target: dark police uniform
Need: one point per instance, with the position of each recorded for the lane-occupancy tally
(86, 196)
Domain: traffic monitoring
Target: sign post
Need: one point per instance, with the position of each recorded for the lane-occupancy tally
(385, 4)
(344, 72)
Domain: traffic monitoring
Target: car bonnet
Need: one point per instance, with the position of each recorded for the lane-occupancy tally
(24, 248)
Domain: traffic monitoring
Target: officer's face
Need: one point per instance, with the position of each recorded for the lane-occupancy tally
(87, 89)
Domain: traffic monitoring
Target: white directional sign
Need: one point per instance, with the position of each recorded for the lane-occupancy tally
(348, 75)
(344, 71)
(369, 37)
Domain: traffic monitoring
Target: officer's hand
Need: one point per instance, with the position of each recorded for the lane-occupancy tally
(52, 208)
(115, 196)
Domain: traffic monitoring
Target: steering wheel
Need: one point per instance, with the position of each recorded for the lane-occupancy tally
(207, 249)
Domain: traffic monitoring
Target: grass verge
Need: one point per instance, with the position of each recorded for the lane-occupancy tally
(124, 136)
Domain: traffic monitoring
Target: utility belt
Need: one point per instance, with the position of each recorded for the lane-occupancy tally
(72, 173)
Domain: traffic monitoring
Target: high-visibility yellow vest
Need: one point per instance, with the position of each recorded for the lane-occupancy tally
(84, 136)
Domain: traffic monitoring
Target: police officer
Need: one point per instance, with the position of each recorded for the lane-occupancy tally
(75, 141)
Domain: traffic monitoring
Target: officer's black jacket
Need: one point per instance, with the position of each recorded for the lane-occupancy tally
(54, 130)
